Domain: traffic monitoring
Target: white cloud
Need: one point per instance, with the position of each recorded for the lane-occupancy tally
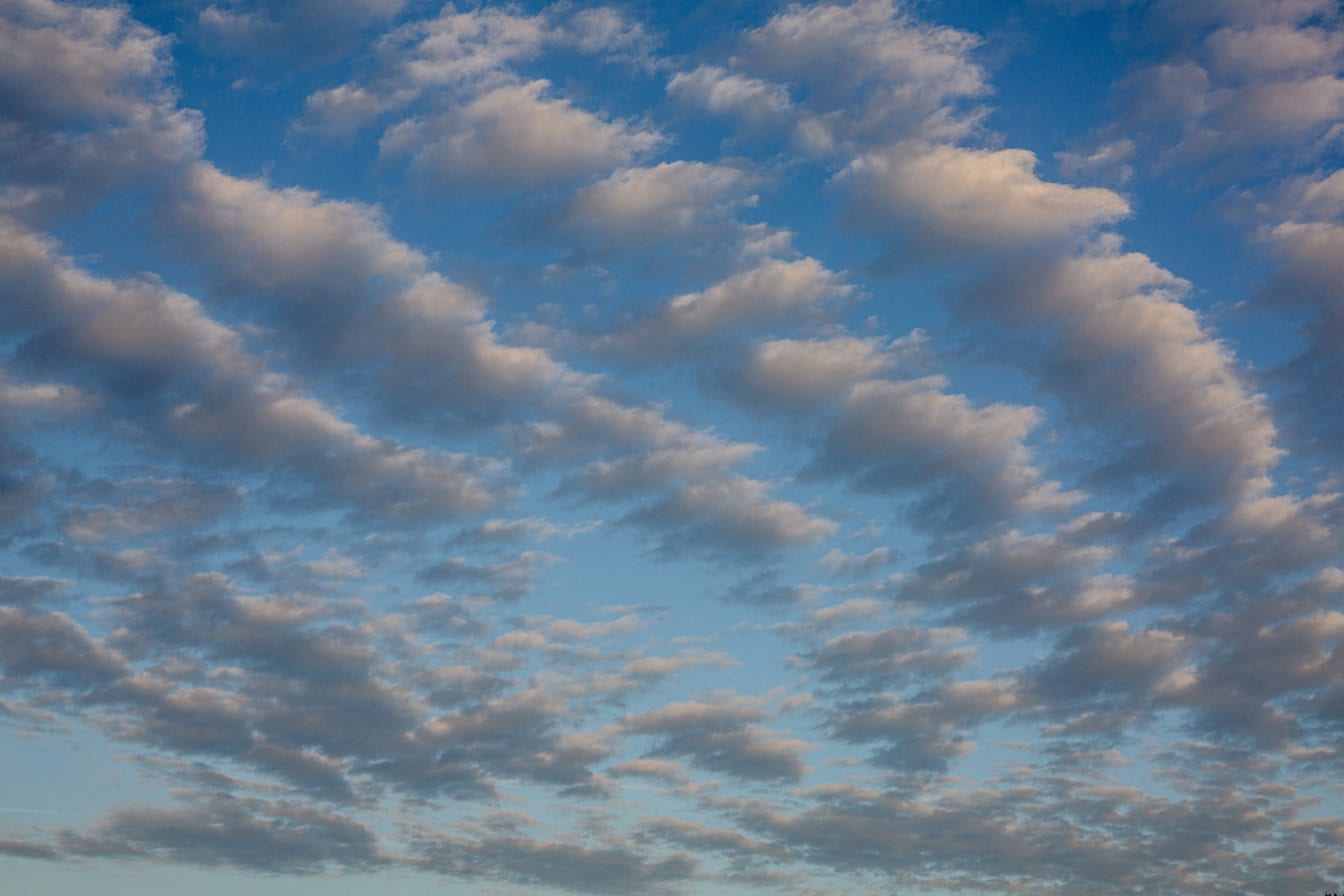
(775, 289)
(946, 195)
(893, 75)
(914, 436)
(804, 373)
(639, 206)
(516, 136)
(1139, 363)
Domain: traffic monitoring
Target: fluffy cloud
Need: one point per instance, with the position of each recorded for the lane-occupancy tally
(516, 136)
(721, 737)
(774, 289)
(636, 207)
(805, 373)
(893, 75)
(317, 30)
(912, 435)
(949, 196)
(1132, 359)
(277, 464)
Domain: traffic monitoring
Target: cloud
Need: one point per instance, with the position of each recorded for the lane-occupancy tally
(658, 769)
(610, 867)
(1260, 79)
(18, 398)
(68, 63)
(911, 435)
(1015, 580)
(509, 580)
(893, 75)
(637, 207)
(837, 562)
(475, 123)
(1130, 358)
(885, 659)
(756, 101)
(772, 290)
(18, 591)
(720, 737)
(318, 30)
(1106, 666)
(946, 196)
(88, 107)
(808, 373)
(516, 137)
(732, 514)
(1309, 277)
(136, 506)
(53, 648)
(217, 829)
(251, 428)
(465, 52)
(925, 734)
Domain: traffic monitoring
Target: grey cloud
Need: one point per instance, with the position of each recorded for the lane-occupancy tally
(946, 197)
(516, 136)
(380, 300)
(774, 289)
(612, 867)
(17, 591)
(659, 769)
(704, 506)
(529, 528)
(837, 562)
(87, 106)
(379, 476)
(928, 733)
(149, 342)
(1271, 672)
(906, 435)
(215, 829)
(766, 589)
(656, 448)
(803, 374)
(465, 52)
(893, 75)
(1046, 834)
(510, 579)
(720, 737)
(1024, 581)
(733, 514)
(69, 63)
(19, 399)
(1265, 75)
(1108, 666)
(28, 849)
(1132, 360)
(758, 103)
(316, 30)
(54, 648)
(311, 701)
(691, 835)
(132, 507)
(888, 658)
(1309, 278)
(634, 208)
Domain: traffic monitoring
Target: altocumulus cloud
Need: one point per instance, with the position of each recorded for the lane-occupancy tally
(564, 446)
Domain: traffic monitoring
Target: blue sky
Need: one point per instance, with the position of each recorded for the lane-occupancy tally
(840, 448)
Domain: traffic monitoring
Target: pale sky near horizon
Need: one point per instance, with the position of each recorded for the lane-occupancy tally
(672, 448)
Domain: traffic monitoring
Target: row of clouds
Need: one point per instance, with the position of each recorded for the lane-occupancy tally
(325, 705)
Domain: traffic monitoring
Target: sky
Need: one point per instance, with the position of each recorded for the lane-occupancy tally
(822, 449)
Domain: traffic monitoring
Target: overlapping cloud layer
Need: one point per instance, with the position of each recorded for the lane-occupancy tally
(615, 464)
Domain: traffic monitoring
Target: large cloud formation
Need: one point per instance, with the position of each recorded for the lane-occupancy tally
(563, 448)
